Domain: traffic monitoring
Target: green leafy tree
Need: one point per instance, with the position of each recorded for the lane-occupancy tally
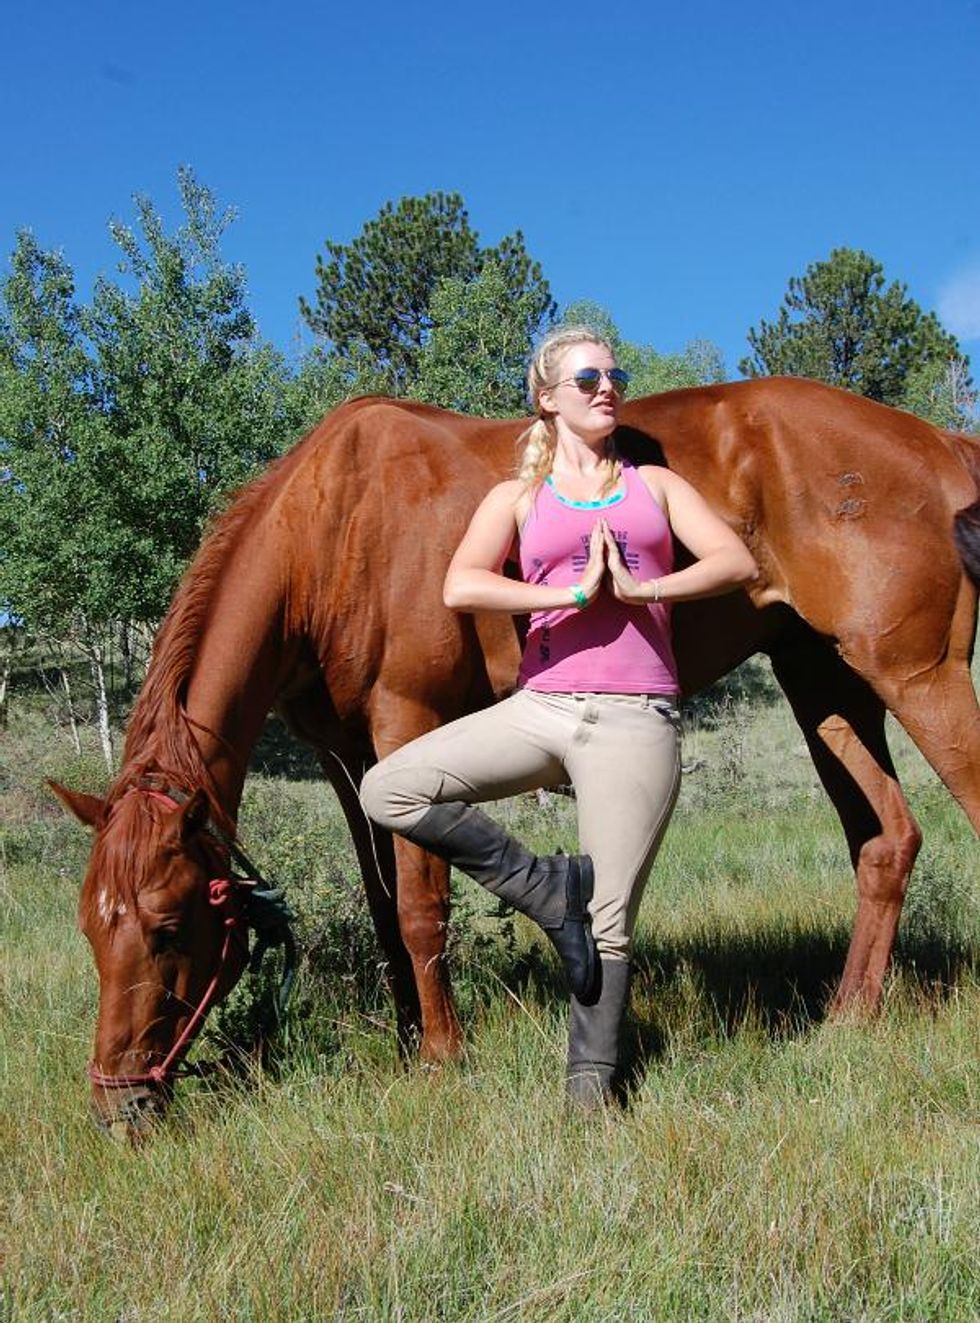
(475, 359)
(64, 551)
(124, 424)
(374, 301)
(700, 364)
(944, 394)
(323, 380)
(842, 324)
(198, 401)
(57, 452)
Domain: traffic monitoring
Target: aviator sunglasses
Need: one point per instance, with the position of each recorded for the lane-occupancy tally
(587, 379)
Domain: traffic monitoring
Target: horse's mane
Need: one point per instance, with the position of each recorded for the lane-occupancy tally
(161, 739)
(162, 749)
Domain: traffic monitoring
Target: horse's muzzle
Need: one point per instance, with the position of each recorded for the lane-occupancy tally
(130, 1114)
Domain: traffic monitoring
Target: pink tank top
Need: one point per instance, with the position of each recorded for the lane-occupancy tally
(609, 647)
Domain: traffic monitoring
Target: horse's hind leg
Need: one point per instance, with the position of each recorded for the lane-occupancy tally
(843, 722)
(922, 674)
(938, 709)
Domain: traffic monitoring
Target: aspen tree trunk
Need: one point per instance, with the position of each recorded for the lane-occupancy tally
(72, 716)
(126, 640)
(4, 682)
(97, 663)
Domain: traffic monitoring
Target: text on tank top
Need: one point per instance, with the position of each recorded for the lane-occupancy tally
(609, 647)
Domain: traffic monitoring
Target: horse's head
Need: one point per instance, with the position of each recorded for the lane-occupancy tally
(167, 939)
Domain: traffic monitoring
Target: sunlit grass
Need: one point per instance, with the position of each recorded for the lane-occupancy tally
(770, 1165)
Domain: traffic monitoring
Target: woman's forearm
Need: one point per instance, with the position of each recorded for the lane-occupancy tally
(484, 590)
(719, 572)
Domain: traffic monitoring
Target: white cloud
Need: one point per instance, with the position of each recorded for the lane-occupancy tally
(959, 304)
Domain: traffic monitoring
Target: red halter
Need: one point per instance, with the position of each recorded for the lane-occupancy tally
(221, 894)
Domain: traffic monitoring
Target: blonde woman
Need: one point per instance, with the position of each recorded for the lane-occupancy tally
(596, 703)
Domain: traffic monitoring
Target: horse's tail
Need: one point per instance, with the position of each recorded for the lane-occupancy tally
(966, 535)
(966, 522)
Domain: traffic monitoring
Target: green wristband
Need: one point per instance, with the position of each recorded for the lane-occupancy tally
(580, 598)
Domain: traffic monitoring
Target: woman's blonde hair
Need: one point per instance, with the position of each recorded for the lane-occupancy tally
(538, 442)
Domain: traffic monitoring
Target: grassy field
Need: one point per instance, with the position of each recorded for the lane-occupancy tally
(770, 1166)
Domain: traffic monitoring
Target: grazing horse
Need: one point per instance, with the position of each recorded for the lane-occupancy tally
(318, 593)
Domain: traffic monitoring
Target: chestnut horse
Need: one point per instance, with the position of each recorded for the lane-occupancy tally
(318, 593)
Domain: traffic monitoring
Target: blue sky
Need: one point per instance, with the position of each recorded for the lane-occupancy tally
(676, 164)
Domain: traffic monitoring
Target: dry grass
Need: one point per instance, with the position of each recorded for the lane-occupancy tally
(771, 1166)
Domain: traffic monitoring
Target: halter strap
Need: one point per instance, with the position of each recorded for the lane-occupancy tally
(174, 798)
(220, 892)
(262, 909)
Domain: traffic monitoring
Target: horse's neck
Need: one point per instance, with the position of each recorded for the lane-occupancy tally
(228, 689)
(229, 695)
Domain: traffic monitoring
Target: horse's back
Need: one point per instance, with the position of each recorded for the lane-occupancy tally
(846, 504)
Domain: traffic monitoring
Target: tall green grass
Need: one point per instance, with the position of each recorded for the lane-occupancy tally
(770, 1166)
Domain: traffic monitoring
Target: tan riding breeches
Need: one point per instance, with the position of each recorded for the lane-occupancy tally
(620, 752)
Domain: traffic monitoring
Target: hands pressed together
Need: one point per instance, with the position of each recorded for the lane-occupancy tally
(606, 566)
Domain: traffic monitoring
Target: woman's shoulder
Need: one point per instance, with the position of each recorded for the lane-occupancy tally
(505, 494)
(653, 478)
(502, 501)
(509, 489)
(661, 480)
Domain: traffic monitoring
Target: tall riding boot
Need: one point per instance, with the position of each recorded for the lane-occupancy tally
(593, 1039)
(554, 890)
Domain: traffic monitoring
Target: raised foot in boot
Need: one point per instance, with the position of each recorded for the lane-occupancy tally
(553, 890)
(573, 939)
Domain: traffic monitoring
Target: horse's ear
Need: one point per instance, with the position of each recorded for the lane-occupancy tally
(86, 808)
(194, 815)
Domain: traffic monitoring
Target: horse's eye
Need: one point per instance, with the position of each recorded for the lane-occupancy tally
(166, 939)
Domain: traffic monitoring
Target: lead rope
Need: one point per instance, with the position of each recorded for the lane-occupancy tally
(267, 912)
(264, 912)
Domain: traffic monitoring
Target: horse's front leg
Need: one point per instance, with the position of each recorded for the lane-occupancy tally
(421, 887)
(408, 895)
(423, 917)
